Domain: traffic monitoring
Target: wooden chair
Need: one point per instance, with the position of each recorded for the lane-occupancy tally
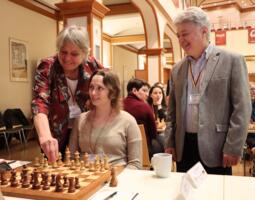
(146, 159)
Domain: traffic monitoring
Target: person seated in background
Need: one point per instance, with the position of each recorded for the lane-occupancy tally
(106, 129)
(146, 88)
(60, 91)
(250, 141)
(157, 102)
(135, 105)
(252, 91)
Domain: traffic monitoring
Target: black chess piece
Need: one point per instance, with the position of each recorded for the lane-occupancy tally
(4, 180)
(36, 184)
(53, 180)
(77, 184)
(71, 188)
(65, 184)
(59, 185)
(46, 182)
(13, 179)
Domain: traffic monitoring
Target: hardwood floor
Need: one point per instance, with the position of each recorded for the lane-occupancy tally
(20, 151)
(31, 150)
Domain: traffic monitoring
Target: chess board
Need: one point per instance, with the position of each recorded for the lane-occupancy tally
(89, 180)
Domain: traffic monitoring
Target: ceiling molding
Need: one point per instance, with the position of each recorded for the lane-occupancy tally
(168, 50)
(82, 7)
(106, 37)
(225, 4)
(119, 9)
(151, 52)
(38, 7)
(222, 5)
(127, 39)
(129, 48)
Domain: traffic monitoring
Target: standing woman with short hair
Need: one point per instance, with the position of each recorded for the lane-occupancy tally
(61, 89)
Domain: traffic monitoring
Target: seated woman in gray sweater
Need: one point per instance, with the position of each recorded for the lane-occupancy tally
(106, 129)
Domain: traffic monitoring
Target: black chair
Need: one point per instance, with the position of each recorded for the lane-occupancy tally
(27, 125)
(13, 125)
(3, 131)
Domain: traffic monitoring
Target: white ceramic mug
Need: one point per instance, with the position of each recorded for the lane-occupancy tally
(162, 163)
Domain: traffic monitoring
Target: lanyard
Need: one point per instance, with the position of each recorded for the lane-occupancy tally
(72, 94)
(192, 76)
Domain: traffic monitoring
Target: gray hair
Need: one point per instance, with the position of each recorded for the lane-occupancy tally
(77, 35)
(195, 15)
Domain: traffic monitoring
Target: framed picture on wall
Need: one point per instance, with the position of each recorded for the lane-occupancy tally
(18, 60)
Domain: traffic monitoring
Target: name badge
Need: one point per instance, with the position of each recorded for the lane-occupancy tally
(194, 99)
(74, 111)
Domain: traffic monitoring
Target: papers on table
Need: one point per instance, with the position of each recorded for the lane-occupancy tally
(108, 193)
(194, 178)
(17, 163)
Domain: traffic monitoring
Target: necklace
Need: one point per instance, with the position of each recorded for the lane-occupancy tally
(99, 134)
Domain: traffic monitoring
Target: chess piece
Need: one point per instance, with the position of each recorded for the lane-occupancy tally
(25, 183)
(65, 184)
(55, 165)
(106, 164)
(59, 185)
(77, 184)
(24, 177)
(91, 166)
(13, 179)
(45, 164)
(67, 157)
(4, 180)
(36, 185)
(71, 188)
(46, 181)
(42, 160)
(114, 181)
(53, 180)
(72, 167)
(24, 172)
(32, 178)
(82, 167)
(86, 160)
(96, 163)
(77, 158)
(60, 163)
(36, 162)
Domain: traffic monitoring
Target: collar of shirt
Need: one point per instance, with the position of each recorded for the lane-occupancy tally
(205, 55)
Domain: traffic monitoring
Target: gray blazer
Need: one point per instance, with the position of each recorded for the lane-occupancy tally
(224, 108)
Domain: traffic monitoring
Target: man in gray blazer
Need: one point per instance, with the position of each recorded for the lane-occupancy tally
(210, 106)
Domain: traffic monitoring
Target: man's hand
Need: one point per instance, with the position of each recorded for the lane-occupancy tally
(229, 160)
(171, 151)
(50, 148)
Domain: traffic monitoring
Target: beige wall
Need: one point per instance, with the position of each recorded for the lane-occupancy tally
(237, 41)
(124, 64)
(39, 32)
(231, 17)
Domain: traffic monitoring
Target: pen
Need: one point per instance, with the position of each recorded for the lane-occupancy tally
(110, 196)
(136, 194)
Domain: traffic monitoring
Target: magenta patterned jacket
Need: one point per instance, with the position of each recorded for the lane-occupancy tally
(50, 93)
